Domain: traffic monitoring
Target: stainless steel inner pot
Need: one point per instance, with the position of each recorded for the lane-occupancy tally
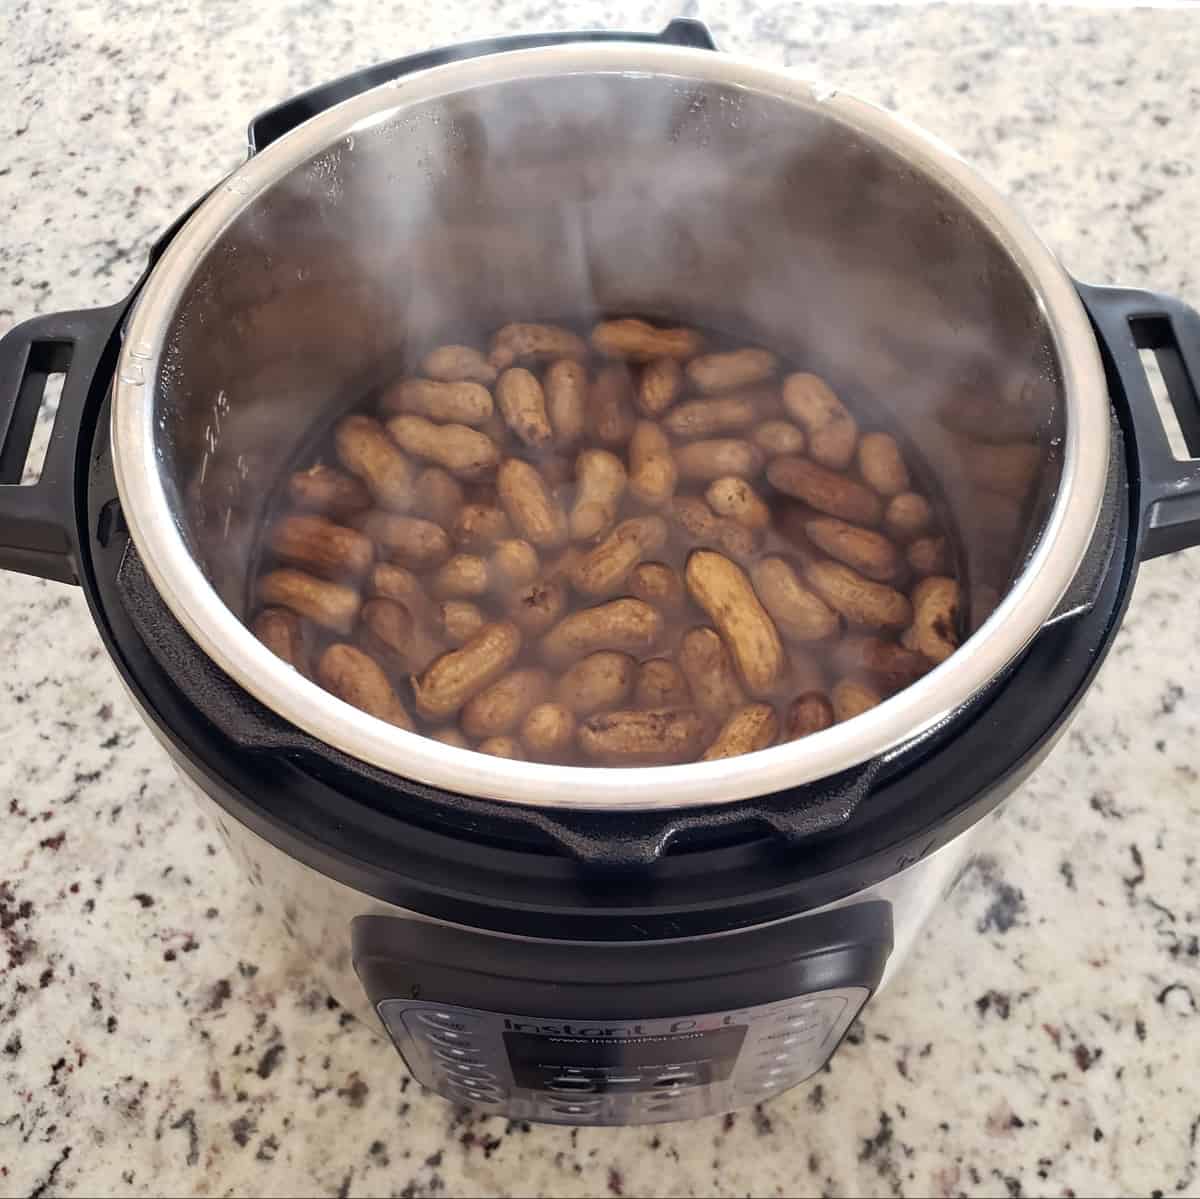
(568, 181)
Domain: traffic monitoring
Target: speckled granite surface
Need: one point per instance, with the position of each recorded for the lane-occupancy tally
(155, 1035)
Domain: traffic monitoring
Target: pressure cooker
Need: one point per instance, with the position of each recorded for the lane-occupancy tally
(561, 943)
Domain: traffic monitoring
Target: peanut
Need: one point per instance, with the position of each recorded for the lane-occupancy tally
(514, 563)
(450, 736)
(538, 606)
(807, 714)
(1007, 469)
(318, 545)
(775, 437)
(703, 461)
(799, 613)
(641, 341)
(502, 747)
(722, 590)
(365, 450)
(328, 492)
(610, 405)
(934, 630)
(499, 708)
(601, 478)
(537, 343)
(831, 431)
(907, 515)
(330, 605)
(702, 527)
(652, 471)
(748, 729)
(566, 387)
(408, 540)
(389, 631)
(858, 599)
(454, 364)
(628, 625)
(882, 465)
(548, 731)
(928, 556)
(523, 406)
(659, 386)
(603, 570)
(806, 674)
(853, 697)
(868, 552)
(357, 679)
(282, 632)
(480, 526)
(459, 620)
(712, 418)
(887, 662)
(735, 498)
(654, 737)
(533, 510)
(660, 684)
(736, 368)
(657, 584)
(705, 662)
(463, 451)
(463, 576)
(826, 490)
(601, 680)
(395, 583)
(459, 675)
(446, 403)
(438, 496)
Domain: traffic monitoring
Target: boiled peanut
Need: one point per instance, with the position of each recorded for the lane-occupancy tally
(658, 584)
(480, 526)
(858, 599)
(395, 583)
(720, 587)
(747, 729)
(660, 684)
(628, 625)
(735, 368)
(891, 664)
(712, 418)
(462, 576)
(853, 697)
(499, 708)
(327, 491)
(407, 540)
(907, 515)
(463, 451)
(453, 364)
(735, 498)
(520, 342)
(548, 731)
(454, 678)
(365, 450)
(604, 570)
(826, 490)
(882, 465)
(523, 406)
(566, 387)
(600, 478)
(533, 510)
(799, 613)
(702, 527)
(538, 606)
(1007, 469)
(775, 437)
(438, 496)
(652, 471)
(934, 630)
(282, 632)
(806, 673)
(659, 387)
(807, 714)
(502, 747)
(450, 736)
(514, 563)
(446, 403)
(641, 341)
(318, 545)
(356, 678)
(831, 431)
(390, 632)
(928, 556)
(610, 405)
(705, 662)
(459, 620)
(703, 461)
(601, 680)
(330, 605)
(868, 552)
(648, 737)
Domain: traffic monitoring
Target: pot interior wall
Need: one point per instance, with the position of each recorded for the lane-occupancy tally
(564, 198)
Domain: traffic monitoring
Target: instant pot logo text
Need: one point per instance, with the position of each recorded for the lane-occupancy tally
(642, 1028)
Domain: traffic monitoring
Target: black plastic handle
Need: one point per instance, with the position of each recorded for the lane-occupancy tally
(37, 520)
(1128, 321)
(283, 118)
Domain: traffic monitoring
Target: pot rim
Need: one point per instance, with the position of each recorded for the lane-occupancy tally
(1028, 604)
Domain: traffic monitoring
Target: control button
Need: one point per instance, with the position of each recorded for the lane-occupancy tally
(460, 1088)
(677, 1078)
(574, 1109)
(451, 1020)
(474, 1072)
(455, 1053)
(571, 1084)
(449, 1038)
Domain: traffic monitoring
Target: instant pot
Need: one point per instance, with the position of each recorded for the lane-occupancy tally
(567, 944)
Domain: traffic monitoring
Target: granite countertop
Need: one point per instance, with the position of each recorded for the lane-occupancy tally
(156, 1037)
